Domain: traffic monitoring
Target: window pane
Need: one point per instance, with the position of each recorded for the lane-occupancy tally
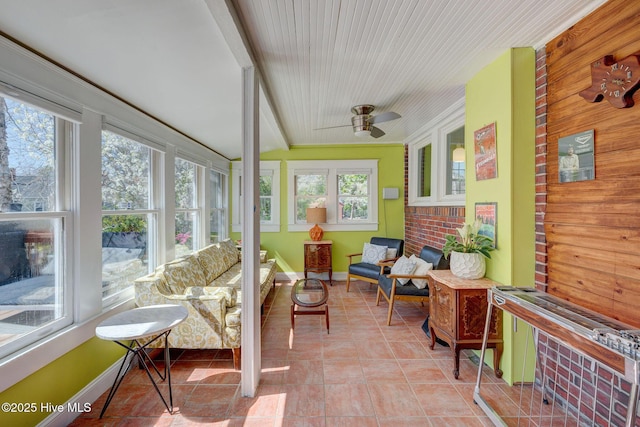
(185, 184)
(311, 185)
(216, 190)
(125, 173)
(353, 185)
(266, 183)
(424, 166)
(185, 226)
(265, 209)
(217, 213)
(30, 276)
(354, 208)
(124, 251)
(217, 229)
(27, 165)
(310, 190)
(455, 168)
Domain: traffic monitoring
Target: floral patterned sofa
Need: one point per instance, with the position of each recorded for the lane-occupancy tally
(206, 282)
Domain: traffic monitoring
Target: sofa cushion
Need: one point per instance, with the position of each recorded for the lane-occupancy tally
(365, 270)
(182, 273)
(397, 244)
(211, 262)
(229, 253)
(422, 268)
(435, 257)
(372, 254)
(409, 289)
(403, 266)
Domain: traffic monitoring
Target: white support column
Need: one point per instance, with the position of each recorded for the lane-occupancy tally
(250, 235)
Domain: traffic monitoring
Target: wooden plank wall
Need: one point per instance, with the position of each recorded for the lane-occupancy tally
(593, 227)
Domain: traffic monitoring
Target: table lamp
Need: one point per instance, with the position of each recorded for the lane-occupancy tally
(316, 216)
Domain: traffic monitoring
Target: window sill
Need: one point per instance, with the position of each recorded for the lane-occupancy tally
(19, 365)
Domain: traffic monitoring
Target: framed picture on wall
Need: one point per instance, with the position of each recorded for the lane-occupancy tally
(484, 142)
(575, 157)
(487, 215)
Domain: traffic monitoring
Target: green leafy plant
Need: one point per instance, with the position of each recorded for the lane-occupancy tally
(470, 241)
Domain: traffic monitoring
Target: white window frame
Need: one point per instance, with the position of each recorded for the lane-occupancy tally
(61, 216)
(222, 213)
(333, 168)
(435, 134)
(267, 168)
(30, 78)
(197, 209)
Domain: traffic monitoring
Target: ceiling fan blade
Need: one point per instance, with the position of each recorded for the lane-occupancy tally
(376, 132)
(384, 117)
(333, 127)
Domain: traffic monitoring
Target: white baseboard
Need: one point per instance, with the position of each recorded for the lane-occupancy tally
(64, 414)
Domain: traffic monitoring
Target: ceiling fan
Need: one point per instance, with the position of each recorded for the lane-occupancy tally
(363, 121)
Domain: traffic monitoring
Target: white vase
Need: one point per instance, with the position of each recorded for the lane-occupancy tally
(467, 266)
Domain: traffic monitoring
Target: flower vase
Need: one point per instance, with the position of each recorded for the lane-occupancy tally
(467, 265)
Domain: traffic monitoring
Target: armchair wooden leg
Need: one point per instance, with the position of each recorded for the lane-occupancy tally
(237, 356)
(392, 298)
(378, 296)
(348, 282)
(390, 311)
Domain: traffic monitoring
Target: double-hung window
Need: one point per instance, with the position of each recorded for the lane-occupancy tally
(129, 223)
(188, 228)
(437, 161)
(217, 206)
(348, 189)
(35, 296)
(269, 187)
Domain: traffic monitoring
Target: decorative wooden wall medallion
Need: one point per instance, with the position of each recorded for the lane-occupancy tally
(614, 81)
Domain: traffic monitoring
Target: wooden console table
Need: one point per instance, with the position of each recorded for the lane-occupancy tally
(457, 315)
(317, 257)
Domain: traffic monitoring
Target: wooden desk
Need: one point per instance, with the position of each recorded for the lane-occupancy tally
(457, 315)
(317, 257)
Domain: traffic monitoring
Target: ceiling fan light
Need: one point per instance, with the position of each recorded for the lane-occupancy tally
(363, 133)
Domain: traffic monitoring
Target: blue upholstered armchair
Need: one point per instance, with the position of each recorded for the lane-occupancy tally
(368, 268)
(415, 289)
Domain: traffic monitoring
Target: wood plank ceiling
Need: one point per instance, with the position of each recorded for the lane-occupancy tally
(319, 58)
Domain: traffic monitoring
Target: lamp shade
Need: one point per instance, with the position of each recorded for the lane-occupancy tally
(316, 216)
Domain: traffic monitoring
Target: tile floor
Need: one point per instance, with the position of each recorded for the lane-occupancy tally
(364, 373)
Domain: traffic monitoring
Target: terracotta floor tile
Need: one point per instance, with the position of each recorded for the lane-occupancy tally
(304, 400)
(343, 371)
(363, 373)
(348, 400)
(443, 400)
(393, 399)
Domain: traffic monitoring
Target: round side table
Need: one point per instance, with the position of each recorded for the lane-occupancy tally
(306, 294)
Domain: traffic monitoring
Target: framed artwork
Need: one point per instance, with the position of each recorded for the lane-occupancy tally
(484, 141)
(575, 157)
(486, 214)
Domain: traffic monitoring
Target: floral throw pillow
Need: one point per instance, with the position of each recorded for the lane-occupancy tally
(422, 267)
(403, 266)
(372, 254)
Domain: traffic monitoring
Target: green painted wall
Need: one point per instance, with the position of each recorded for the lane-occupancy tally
(60, 380)
(287, 247)
(504, 93)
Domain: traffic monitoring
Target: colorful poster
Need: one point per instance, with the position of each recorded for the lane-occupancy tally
(486, 215)
(575, 157)
(485, 152)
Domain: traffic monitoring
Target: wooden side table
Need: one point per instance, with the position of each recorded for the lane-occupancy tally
(317, 257)
(457, 315)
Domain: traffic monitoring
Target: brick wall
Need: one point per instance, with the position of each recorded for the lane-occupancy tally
(541, 169)
(427, 225)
